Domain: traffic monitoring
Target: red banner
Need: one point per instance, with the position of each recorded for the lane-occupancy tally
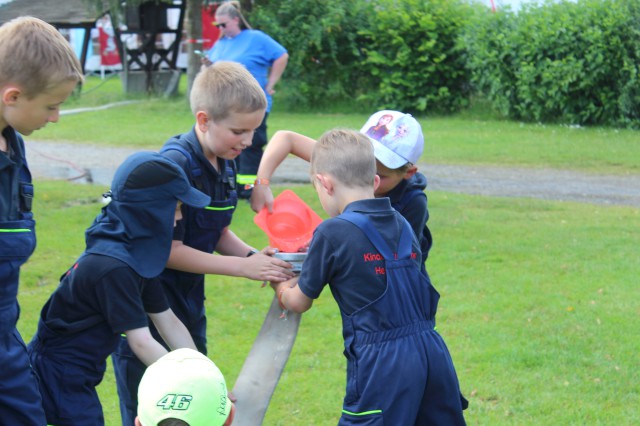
(108, 50)
(210, 33)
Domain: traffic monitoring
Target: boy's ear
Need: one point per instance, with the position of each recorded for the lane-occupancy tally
(326, 183)
(202, 121)
(10, 95)
(376, 183)
(410, 172)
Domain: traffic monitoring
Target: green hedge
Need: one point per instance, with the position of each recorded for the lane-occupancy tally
(563, 61)
(321, 37)
(574, 63)
(412, 57)
(399, 54)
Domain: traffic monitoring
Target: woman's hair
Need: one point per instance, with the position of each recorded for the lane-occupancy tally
(34, 55)
(232, 10)
(346, 155)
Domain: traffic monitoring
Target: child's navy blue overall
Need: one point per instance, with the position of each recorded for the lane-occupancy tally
(75, 374)
(20, 402)
(202, 229)
(399, 371)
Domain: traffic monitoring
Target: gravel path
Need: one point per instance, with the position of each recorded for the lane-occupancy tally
(59, 160)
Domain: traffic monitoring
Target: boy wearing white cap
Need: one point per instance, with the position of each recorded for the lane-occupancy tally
(398, 143)
(183, 388)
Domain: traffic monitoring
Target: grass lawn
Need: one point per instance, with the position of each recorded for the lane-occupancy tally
(538, 308)
(539, 298)
(471, 137)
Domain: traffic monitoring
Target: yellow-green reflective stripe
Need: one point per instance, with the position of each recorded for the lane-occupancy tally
(246, 179)
(219, 208)
(364, 413)
(16, 230)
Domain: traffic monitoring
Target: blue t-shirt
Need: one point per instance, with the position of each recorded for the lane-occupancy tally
(101, 289)
(253, 49)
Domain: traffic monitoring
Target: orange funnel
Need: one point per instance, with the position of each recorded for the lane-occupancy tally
(291, 225)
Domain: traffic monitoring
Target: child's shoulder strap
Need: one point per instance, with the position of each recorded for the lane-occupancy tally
(194, 171)
(174, 145)
(361, 221)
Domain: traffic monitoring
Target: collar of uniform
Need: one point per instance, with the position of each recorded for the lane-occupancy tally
(369, 205)
(15, 146)
(395, 195)
(196, 148)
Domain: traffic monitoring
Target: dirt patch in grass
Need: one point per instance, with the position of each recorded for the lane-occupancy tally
(96, 164)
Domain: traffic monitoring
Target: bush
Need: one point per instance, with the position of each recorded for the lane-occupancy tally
(412, 56)
(562, 61)
(321, 38)
(575, 63)
(384, 54)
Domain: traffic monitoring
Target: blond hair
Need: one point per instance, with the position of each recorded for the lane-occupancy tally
(232, 10)
(347, 156)
(226, 87)
(35, 56)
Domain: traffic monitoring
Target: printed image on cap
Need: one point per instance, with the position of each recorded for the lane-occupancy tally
(186, 385)
(396, 137)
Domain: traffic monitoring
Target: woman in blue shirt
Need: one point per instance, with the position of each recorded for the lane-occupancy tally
(264, 58)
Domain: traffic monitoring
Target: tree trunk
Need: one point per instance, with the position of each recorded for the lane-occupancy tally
(193, 26)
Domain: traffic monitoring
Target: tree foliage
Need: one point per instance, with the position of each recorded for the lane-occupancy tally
(322, 40)
(565, 62)
(410, 51)
(575, 62)
(387, 53)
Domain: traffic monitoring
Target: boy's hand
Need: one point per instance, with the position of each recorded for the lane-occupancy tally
(261, 196)
(261, 267)
(284, 284)
(279, 289)
(269, 251)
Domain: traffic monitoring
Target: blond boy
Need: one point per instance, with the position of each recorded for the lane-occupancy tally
(38, 72)
(228, 105)
(398, 143)
(399, 371)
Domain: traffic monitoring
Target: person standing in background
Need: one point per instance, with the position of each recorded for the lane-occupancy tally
(265, 59)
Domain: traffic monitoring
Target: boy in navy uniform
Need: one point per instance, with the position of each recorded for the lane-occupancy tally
(111, 289)
(398, 143)
(228, 105)
(399, 371)
(38, 71)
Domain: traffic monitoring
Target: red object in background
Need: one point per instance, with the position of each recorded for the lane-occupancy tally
(210, 33)
(108, 50)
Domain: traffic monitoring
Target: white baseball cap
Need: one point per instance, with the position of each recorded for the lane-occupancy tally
(184, 384)
(396, 137)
